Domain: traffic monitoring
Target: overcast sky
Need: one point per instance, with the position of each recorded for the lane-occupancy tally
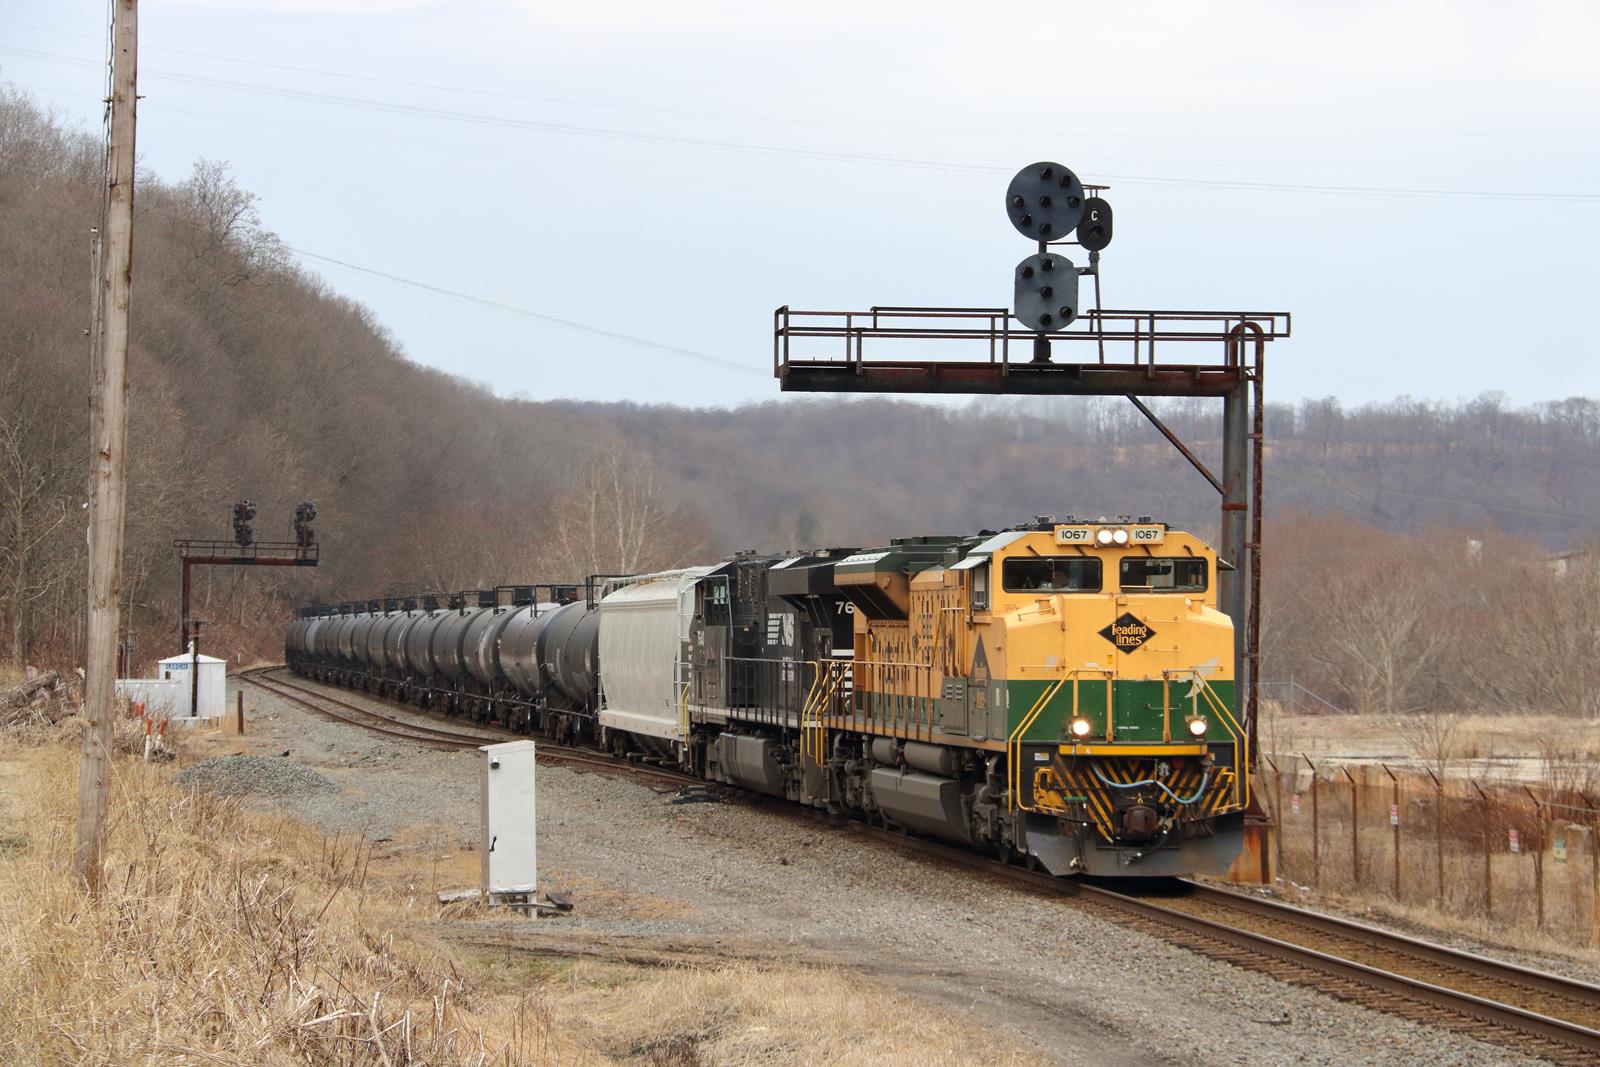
(1419, 183)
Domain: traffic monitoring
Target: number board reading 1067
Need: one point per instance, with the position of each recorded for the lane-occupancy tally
(1090, 535)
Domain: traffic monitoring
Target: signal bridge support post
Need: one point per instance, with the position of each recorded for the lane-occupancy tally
(231, 554)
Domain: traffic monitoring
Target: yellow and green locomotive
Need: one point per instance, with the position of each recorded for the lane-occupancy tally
(1062, 691)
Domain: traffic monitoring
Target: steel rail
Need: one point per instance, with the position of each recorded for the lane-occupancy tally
(370, 721)
(548, 751)
(1481, 1017)
(1584, 994)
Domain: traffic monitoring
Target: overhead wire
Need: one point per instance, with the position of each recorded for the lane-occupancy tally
(539, 316)
(1481, 192)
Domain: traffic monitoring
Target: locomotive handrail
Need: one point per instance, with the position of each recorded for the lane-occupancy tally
(920, 678)
(813, 720)
(806, 712)
(1014, 742)
(1241, 738)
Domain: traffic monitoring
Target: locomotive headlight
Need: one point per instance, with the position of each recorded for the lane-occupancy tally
(1080, 727)
(1103, 537)
(1197, 727)
(1119, 536)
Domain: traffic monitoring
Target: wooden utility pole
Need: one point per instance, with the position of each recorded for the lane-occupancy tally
(108, 464)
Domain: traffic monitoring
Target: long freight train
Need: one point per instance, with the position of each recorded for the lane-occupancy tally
(1057, 692)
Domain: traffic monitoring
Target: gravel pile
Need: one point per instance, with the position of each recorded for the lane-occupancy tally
(254, 775)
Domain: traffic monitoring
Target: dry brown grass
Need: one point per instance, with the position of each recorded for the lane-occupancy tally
(228, 936)
(751, 1014)
(1491, 740)
(222, 937)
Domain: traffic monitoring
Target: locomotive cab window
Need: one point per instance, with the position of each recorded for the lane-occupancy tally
(714, 602)
(1169, 574)
(1051, 574)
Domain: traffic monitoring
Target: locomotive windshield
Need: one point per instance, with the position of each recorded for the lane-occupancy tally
(1051, 574)
(1181, 574)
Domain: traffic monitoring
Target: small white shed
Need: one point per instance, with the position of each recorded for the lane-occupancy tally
(213, 684)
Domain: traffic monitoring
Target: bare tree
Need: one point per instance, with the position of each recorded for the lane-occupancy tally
(621, 518)
(36, 515)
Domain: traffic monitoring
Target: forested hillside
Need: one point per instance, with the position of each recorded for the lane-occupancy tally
(251, 378)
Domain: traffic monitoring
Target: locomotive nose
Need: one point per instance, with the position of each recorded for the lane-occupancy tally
(1140, 821)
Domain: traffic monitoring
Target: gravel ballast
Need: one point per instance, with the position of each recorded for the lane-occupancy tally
(735, 880)
(273, 776)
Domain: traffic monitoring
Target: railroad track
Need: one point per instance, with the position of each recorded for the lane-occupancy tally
(1535, 1012)
(1532, 1011)
(454, 738)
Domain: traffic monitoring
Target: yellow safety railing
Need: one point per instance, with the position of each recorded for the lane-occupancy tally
(813, 721)
(1014, 742)
(894, 697)
(807, 750)
(1241, 739)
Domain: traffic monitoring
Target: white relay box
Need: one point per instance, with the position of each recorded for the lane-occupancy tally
(510, 858)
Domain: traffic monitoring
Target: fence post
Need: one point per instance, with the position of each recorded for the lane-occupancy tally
(1277, 804)
(1594, 869)
(1394, 819)
(1439, 837)
(1488, 858)
(1538, 856)
(1355, 827)
(1316, 828)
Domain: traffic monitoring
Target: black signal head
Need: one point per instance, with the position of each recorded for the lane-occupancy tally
(1045, 201)
(1094, 230)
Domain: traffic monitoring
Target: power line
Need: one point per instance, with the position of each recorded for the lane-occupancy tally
(538, 316)
(567, 101)
(457, 149)
(835, 155)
